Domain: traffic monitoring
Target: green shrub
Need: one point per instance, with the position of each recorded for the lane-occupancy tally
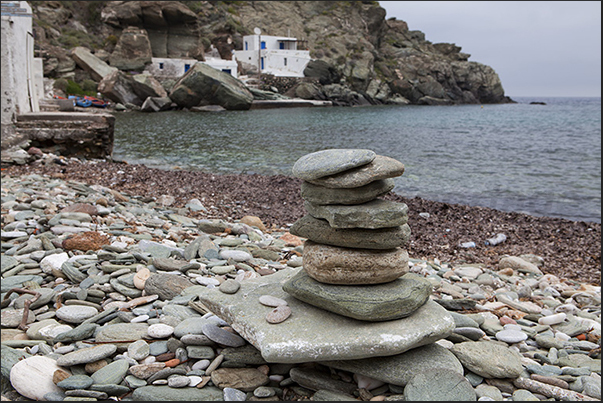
(89, 86)
(71, 38)
(60, 84)
(111, 40)
(73, 88)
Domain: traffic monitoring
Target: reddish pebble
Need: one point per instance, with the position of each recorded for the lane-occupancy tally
(172, 363)
(505, 320)
(278, 314)
(165, 356)
(581, 336)
(264, 369)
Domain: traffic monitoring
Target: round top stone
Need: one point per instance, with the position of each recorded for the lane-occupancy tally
(329, 162)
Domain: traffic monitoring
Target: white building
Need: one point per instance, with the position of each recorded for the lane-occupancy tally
(22, 74)
(168, 67)
(276, 55)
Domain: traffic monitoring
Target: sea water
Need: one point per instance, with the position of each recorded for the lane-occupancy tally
(544, 160)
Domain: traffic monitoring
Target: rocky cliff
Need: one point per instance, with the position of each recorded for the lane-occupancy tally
(359, 56)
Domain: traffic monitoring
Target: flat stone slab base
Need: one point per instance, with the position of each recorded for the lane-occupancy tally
(313, 334)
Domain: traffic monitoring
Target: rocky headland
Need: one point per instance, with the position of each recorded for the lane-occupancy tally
(359, 57)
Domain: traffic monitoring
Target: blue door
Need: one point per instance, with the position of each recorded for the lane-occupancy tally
(263, 45)
(262, 63)
(187, 67)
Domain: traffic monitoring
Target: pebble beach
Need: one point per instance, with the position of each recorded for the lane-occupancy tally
(108, 294)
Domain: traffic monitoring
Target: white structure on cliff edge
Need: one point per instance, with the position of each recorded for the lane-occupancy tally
(22, 74)
(173, 67)
(277, 55)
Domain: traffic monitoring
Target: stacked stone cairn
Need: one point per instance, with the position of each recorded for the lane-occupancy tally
(354, 259)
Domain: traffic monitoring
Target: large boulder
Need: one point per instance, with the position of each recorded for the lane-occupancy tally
(145, 85)
(123, 88)
(204, 85)
(92, 64)
(133, 50)
(118, 87)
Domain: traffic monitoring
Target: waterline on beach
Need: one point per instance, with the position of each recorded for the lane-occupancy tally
(541, 160)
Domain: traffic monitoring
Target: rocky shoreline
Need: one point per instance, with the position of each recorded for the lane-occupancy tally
(109, 271)
(570, 249)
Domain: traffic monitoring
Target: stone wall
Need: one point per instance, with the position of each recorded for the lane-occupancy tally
(75, 134)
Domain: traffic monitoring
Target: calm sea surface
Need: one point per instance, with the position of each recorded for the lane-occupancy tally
(544, 160)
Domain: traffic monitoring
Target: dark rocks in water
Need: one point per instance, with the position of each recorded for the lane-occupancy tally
(537, 103)
(323, 71)
(156, 104)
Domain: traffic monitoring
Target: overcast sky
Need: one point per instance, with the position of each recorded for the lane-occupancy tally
(537, 48)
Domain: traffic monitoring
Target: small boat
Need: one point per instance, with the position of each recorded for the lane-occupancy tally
(81, 102)
(99, 103)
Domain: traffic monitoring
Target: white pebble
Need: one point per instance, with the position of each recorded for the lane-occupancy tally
(54, 261)
(64, 349)
(511, 336)
(141, 318)
(149, 360)
(160, 331)
(552, 319)
(276, 378)
(562, 336)
(195, 380)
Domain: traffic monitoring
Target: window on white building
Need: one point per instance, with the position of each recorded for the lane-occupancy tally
(285, 60)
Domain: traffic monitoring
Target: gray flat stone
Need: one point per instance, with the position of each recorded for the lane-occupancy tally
(376, 213)
(167, 286)
(76, 382)
(329, 162)
(165, 393)
(347, 266)
(488, 359)
(394, 300)
(119, 332)
(381, 167)
(436, 385)
(111, 374)
(320, 231)
(86, 355)
(311, 333)
(17, 281)
(322, 195)
(401, 368)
